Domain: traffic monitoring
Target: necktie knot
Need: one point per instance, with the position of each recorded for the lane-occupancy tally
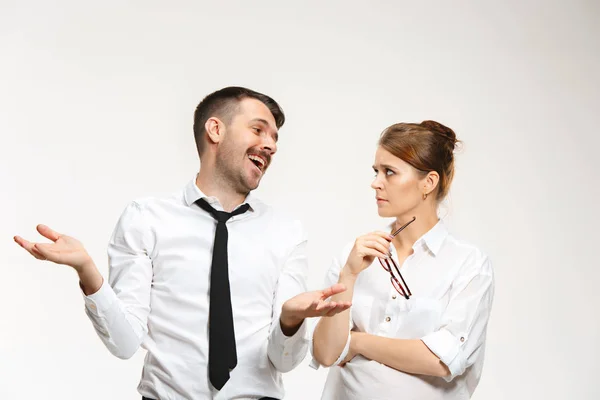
(221, 216)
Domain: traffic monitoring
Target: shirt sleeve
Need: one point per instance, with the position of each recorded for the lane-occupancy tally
(331, 278)
(119, 310)
(464, 323)
(287, 352)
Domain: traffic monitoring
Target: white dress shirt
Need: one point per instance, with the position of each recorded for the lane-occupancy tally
(452, 289)
(157, 295)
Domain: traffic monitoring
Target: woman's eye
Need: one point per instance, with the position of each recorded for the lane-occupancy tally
(389, 172)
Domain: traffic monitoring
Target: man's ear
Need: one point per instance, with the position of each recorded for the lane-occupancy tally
(215, 129)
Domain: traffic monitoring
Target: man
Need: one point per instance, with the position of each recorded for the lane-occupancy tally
(210, 281)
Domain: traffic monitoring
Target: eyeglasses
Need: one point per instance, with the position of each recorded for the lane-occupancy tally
(401, 288)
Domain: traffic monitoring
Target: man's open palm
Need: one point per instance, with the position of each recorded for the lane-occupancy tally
(63, 249)
(315, 304)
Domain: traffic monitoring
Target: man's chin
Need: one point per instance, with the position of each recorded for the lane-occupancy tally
(251, 183)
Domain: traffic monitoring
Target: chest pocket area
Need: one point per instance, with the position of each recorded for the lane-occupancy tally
(254, 265)
(420, 316)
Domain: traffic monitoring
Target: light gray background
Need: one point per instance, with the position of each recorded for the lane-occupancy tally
(96, 106)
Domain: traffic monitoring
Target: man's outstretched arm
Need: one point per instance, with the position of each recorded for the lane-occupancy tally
(118, 309)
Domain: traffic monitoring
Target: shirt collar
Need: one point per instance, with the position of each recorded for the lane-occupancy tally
(432, 239)
(192, 193)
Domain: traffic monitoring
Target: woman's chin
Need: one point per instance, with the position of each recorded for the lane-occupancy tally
(385, 212)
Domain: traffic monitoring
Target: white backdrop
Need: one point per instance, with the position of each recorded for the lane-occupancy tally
(96, 106)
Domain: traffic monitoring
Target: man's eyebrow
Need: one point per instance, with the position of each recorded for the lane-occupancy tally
(263, 121)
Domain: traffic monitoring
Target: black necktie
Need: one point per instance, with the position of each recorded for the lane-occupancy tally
(222, 355)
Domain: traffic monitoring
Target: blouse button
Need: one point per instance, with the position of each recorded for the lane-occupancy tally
(462, 339)
(394, 297)
(387, 319)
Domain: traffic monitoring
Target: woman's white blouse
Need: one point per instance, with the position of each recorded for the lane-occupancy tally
(452, 287)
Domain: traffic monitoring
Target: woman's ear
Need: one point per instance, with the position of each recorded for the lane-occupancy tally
(430, 182)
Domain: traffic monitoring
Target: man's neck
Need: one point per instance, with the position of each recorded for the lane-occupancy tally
(211, 187)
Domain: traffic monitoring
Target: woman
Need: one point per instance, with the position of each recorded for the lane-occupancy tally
(420, 299)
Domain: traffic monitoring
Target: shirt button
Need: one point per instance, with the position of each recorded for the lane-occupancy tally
(387, 319)
(286, 354)
(394, 297)
(462, 339)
